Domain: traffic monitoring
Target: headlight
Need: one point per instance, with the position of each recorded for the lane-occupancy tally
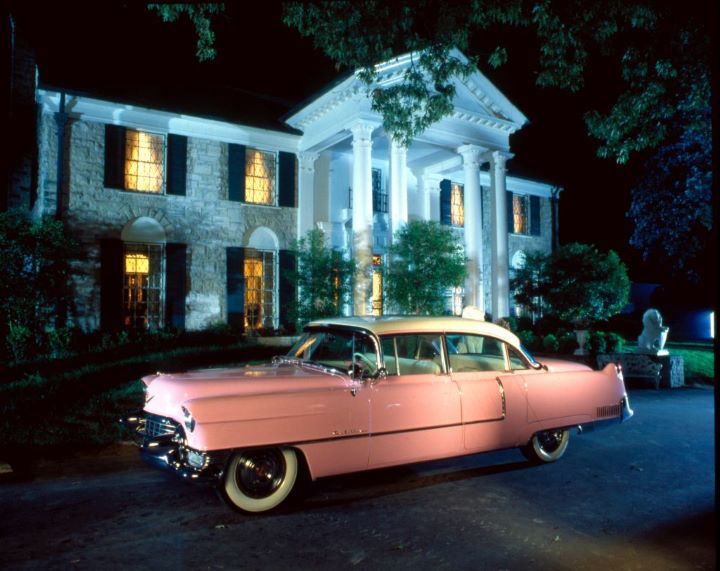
(188, 419)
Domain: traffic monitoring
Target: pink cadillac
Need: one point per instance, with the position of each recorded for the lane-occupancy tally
(361, 393)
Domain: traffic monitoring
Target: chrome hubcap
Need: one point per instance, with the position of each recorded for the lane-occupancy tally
(550, 441)
(259, 473)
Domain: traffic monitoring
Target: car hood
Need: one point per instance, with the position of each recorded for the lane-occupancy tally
(166, 393)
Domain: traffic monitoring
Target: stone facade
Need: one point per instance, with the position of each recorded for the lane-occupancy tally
(205, 220)
(336, 145)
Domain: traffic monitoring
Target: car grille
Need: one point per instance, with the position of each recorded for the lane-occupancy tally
(156, 426)
(610, 410)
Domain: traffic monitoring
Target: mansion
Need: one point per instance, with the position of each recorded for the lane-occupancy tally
(188, 221)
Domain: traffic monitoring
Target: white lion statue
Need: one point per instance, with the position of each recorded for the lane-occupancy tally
(654, 335)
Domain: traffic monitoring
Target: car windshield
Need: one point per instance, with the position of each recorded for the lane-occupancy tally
(529, 356)
(334, 348)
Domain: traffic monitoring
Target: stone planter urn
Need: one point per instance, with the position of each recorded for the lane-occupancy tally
(581, 335)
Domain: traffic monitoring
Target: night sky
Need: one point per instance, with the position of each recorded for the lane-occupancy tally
(264, 69)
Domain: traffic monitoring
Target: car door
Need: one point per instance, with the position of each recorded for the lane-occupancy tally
(415, 410)
(478, 365)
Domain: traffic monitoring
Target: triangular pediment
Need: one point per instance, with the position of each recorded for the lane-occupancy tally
(481, 110)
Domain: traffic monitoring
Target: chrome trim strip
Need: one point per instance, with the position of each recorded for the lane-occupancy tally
(387, 433)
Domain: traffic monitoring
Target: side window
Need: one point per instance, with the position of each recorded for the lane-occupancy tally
(471, 353)
(413, 354)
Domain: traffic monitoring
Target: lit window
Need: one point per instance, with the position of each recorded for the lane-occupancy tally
(520, 210)
(144, 157)
(143, 286)
(457, 208)
(259, 177)
(377, 298)
(259, 272)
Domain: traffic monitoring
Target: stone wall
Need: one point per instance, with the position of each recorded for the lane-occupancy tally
(516, 242)
(205, 220)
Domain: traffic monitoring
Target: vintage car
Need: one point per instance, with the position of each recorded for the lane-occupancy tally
(362, 393)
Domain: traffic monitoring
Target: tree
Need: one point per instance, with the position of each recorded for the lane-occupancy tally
(657, 54)
(201, 17)
(578, 283)
(423, 263)
(323, 278)
(35, 257)
(672, 205)
(528, 284)
(660, 54)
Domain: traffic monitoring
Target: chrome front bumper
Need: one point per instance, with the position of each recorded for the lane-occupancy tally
(162, 445)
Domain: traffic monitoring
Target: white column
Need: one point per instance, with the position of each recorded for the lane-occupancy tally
(362, 216)
(306, 193)
(426, 184)
(474, 291)
(499, 265)
(398, 187)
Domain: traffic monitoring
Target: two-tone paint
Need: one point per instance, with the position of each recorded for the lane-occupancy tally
(340, 422)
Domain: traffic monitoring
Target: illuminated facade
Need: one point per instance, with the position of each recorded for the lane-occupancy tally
(188, 221)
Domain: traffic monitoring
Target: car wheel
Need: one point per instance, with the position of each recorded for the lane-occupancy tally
(260, 480)
(547, 446)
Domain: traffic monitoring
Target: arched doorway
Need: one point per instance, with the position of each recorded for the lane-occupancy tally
(143, 273)
(261, 280)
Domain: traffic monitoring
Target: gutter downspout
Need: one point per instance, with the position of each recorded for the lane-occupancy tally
(61, 119)
(555, 213)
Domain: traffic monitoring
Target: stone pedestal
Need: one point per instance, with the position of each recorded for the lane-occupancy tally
(672, 374)
(659, 371)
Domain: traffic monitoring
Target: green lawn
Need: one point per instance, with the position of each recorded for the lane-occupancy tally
(699, 360)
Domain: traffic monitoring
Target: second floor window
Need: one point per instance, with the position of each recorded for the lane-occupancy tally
(523, 214)
(520, 208)
(452, 203)
(380, 197)
(260, 177)
(457, 207)
(141, 161)
(144, 159)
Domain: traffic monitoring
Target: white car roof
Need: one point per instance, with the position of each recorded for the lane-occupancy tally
(394, 325)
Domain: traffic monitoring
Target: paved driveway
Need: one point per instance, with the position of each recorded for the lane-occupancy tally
(637, 496)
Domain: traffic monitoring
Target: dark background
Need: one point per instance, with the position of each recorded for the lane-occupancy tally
(263, 69)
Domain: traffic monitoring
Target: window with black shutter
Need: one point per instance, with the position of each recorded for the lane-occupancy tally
(286, 289)
(136, 160)
(287, 183)
(111, 284)
(535, 215)
(445, 202)
(235, 288)
(175, 284)
(114, 156)
(177, 165)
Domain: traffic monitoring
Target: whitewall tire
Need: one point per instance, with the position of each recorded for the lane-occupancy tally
(547, 446)
(259, 480)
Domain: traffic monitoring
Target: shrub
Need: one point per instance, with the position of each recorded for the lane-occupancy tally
(596, 342)
(567, 342)
(424, 260)
(615, 342)
(550, 343)
(576, 283)
(528, 338)
(18, 341)
(35, 260)
(322, 276)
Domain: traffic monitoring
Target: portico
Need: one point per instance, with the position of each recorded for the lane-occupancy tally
(455, 173)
